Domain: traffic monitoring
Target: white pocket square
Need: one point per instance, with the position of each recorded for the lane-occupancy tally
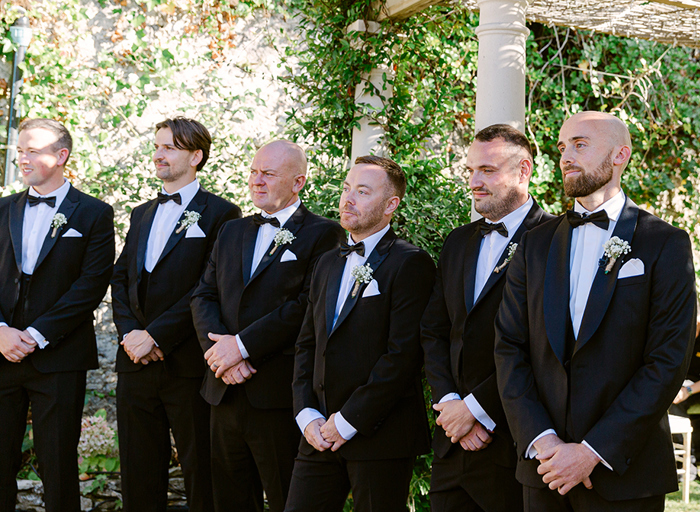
(194, 231)
(631, 268)
(72, 233)
(288, 256)
(372, 289)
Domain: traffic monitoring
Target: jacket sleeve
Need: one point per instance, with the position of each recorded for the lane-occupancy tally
(124, 318)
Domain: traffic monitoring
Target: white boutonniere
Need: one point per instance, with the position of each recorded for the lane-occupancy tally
(191, 218)
(614, 248)
(282, 237)
(511, 251)
(362, 274)
(58, 220)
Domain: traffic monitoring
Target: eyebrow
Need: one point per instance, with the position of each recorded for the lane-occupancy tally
(575, 137)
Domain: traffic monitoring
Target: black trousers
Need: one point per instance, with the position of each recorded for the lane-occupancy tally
(321, 482)
(150, 403)
(580, 499)
(57, 405)
(252, 449)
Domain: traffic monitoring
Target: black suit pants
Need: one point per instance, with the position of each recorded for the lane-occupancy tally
(151, 402)
(321, 482)
(580, 499)
(57, 405)
(252, 449)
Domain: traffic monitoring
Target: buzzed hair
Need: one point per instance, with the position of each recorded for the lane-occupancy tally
(396, 176)
(189, 135)
(507, 133)
(63, 136)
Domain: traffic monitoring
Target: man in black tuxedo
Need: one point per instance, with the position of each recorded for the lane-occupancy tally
(357, 392)
(56, 256)
(593, 337)
(248, 310)
(159, 359)
(476, 470)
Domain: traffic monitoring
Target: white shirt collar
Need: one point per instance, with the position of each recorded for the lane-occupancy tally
(187, 192)
(284, 214)
(372, 240)
(513, 220)
(60, 193)
(613, 206)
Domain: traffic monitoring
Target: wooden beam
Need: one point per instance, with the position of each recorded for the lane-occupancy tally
(400, 9)
(683, 4)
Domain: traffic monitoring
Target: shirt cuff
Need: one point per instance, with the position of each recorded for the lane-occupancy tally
(306, 416)
(245, 354)
(450, 396)
(479, 413)
(38, 337)
(531, 452)
(585, 443)
(344, 428)
(3, 324)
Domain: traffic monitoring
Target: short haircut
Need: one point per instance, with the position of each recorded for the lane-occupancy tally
(507, 133)
(189, 135)
(396, 176)
(63, 137)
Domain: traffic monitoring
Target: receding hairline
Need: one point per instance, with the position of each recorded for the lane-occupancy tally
(292, 156)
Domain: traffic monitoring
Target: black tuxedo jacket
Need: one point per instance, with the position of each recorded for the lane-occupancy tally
(457, 334)
(628, 363)
(166, 315)
(265, 309)
(69, 281)
(368, 365)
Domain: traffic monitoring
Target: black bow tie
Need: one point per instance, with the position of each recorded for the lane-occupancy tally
(260, 220)
(164, 198)
(347, 249)
(600, 219)
(487, 227)
(34, 200)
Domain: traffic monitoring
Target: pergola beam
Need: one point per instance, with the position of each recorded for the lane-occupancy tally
(400, 9)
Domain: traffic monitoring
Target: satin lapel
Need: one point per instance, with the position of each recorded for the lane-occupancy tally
(604, 284)
(379, 254)
(531, 220)
(16, 223)
(471, 257)
(556, 288)
(144, 231)
(198, 204)
(250, 234)
(293, 225)
(67, 207)
(333, 288)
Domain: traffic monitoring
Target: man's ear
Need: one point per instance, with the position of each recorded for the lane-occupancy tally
(391, 205)
(63, 154)
(197, 156)
(525, 170)
(299, 182)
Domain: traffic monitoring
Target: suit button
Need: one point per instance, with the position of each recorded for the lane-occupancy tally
(16, 280)
(320, 386)
(629, 461)
(137, 308)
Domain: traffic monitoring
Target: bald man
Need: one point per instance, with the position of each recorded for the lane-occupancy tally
(593, 337)
(248, 310)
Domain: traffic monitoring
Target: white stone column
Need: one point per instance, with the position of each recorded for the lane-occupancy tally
(369, 138)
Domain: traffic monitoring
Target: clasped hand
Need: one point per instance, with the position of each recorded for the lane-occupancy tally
(461, 426)
(141, 347)
(564, 465)
(322, 434)
(225, 360)
(15, 345)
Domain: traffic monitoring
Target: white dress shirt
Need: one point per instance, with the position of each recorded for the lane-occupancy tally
(266, 233)
(491, 248)
(587, 243)
(164, 222)
(307, 415)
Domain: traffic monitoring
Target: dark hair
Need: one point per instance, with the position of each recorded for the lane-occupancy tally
(189, 135)
(396, 176)
(63, 137)
(507, 133)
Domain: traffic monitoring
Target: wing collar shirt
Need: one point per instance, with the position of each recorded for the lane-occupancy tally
(492, 247)
(586, 249)
(266, 233)
(306, 416)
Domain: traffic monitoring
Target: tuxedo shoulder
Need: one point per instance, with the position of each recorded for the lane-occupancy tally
(4, 201)
(408, 250)
(318, 220)
(92, 202)
(656, 225)
(547, 227)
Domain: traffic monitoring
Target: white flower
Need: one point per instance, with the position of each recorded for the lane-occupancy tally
(613, 249)
(362, 274)
(282, 237)
(58, 220)
(511, 251)
(96, 437)
(191, 218)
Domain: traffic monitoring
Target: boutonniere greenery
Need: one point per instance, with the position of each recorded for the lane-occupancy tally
(282, 237)
(511, 251)
(191, 218)
(362, 274)
(613, 249)
(58, 220)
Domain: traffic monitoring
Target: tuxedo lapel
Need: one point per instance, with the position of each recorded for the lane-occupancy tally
(604, 284)
(248, 249)
(144, 231)
(556, 288)
(198, 204)
(333, 288)
(67, 207)
(16, 222)
(471, 257)
(379, 254)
